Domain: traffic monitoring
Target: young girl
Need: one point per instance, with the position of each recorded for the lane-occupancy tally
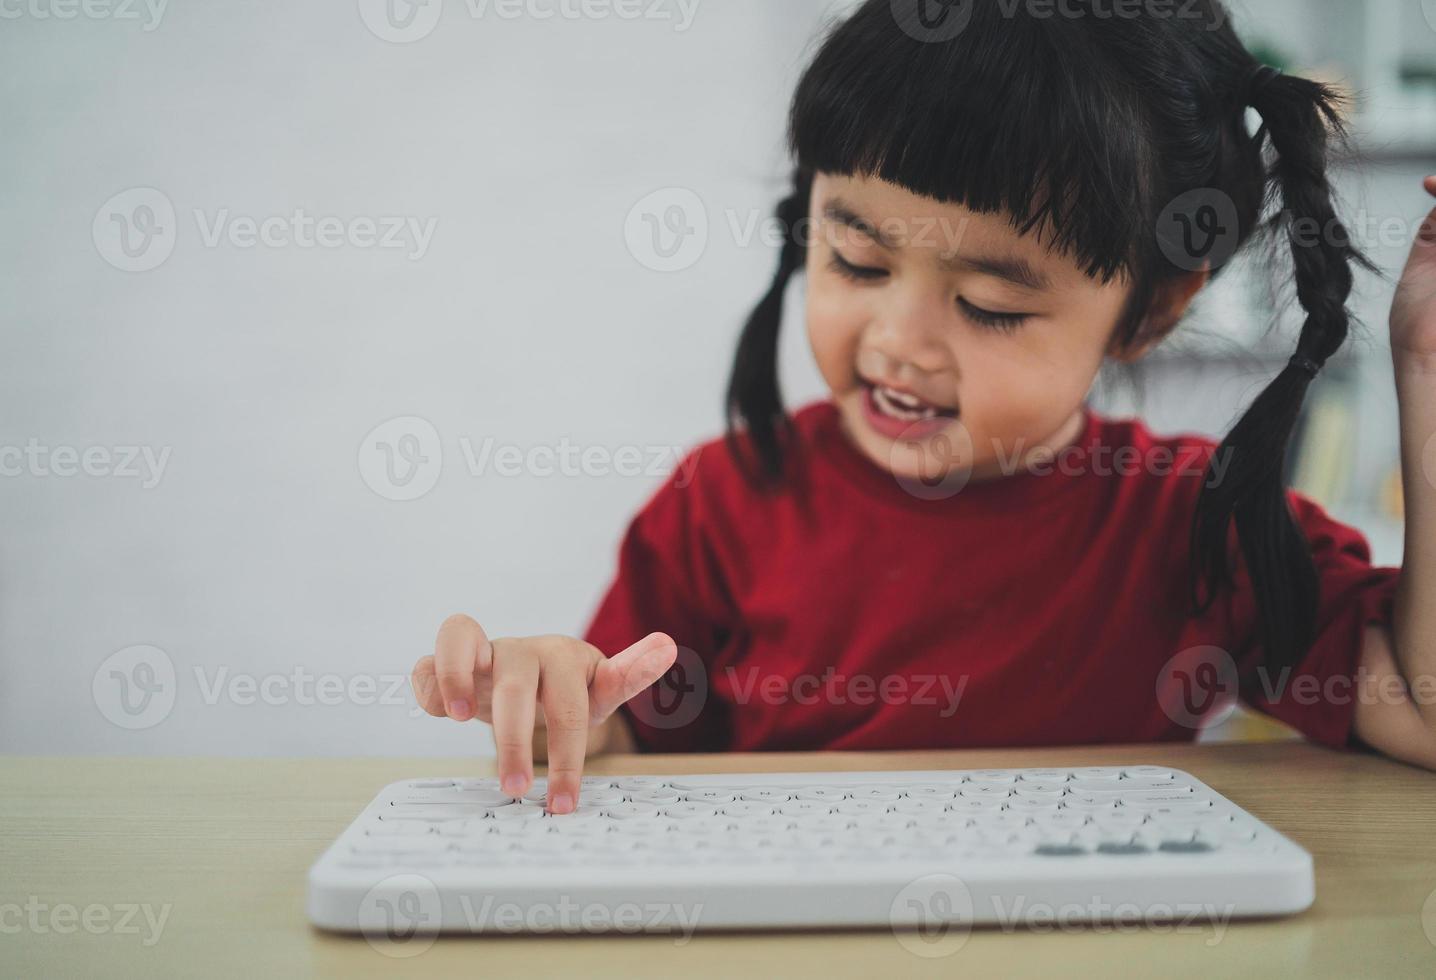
(952, 550)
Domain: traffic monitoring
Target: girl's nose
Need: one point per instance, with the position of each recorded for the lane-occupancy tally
(911, 332)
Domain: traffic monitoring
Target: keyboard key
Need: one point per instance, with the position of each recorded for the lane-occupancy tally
(748, 810)
(1172, 790)
(642, 826)
(1123, 848)
(764, 796)
(1091, 802)
(821, 794)
(881, 794)
(431, 784)
(584, 811)
(991, 777)
(658, 797)
(691, 810)
(518, 812)
(1186, 847)
(985, 792)
(713, 796)
(1026, 804)
(932, 792)
(1096, 786)
(1039, 791)
(1063, 819)
(800, 808)
(817, 823)
(1059, 850)
(639, 784)
(1042, 776)
(631, 811)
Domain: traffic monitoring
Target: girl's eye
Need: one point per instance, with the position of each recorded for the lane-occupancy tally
(858, 273)
(1006, 322)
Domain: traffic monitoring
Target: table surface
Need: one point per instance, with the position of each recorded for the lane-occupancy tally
(224, 845)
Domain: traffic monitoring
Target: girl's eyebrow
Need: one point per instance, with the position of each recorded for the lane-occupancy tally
(1012, 269)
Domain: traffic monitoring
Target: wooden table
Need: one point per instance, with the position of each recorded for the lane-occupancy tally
(224, 845)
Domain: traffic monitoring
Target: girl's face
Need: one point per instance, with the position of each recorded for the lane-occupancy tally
(947, 339)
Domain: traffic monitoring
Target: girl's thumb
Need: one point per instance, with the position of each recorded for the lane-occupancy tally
(629, 673)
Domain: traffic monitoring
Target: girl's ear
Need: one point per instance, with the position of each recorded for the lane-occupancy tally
(1169, 304)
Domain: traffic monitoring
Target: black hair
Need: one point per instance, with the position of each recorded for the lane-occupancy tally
(1088, 129)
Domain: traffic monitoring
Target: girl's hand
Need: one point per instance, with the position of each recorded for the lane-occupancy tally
(525, 684)
(1413, 313)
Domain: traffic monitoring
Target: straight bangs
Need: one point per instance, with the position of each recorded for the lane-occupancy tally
(1011, 115)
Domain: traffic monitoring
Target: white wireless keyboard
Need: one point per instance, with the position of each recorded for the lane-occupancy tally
(790, 850)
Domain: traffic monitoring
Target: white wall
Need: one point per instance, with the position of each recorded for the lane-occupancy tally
(260, 370)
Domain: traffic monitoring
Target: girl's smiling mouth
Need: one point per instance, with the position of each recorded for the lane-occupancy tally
(897, 413)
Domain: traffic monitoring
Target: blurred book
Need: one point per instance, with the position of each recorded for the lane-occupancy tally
(1319, 464)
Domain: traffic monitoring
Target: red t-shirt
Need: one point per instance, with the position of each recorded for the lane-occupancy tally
(851, 612)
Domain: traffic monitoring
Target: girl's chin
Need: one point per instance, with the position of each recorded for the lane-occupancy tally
(933, 458)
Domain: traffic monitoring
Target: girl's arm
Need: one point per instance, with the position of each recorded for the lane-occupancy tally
(1396, 706)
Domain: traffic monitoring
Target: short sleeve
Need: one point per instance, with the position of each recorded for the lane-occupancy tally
(1317, 697)
(666, 582)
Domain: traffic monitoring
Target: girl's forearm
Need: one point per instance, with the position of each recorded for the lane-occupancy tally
(1414, 626)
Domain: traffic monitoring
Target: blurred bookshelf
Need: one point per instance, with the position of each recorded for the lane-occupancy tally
(1243, 328)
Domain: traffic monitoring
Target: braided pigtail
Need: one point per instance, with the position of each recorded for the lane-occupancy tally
(1301, 118)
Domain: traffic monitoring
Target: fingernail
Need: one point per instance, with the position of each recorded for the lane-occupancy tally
(458, 709)
(562, 803)
(513, 784)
